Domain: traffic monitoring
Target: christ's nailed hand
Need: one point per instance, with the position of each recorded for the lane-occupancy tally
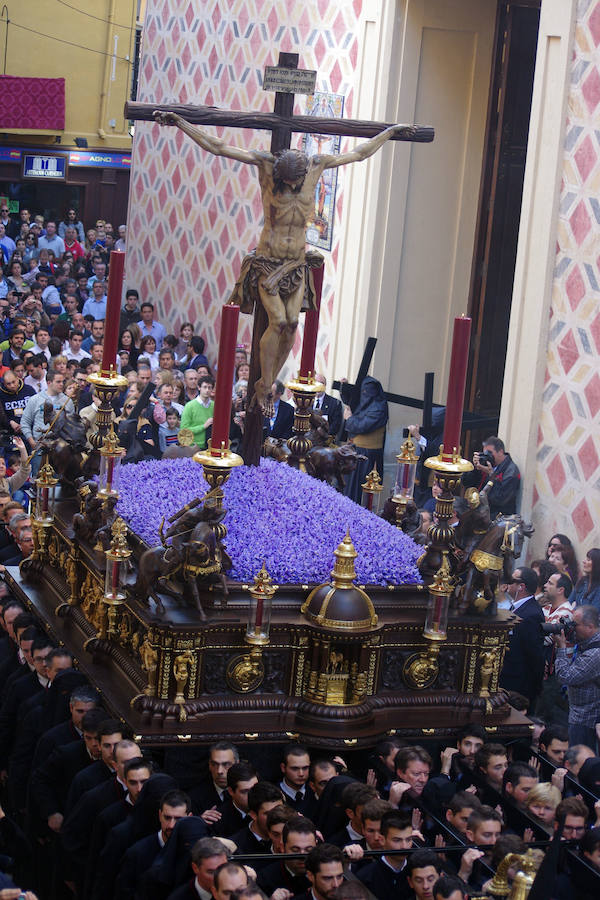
(164, 118)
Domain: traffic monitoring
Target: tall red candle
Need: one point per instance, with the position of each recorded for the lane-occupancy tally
(225, 372)
(113, 311)
(311, 327)
(456, 385)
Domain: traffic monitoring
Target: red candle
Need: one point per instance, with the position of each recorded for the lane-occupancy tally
(115, 578)
(110, 466)
(259, 614)
(113, 311)
(456, 386)
(225, 373)
(311, 327)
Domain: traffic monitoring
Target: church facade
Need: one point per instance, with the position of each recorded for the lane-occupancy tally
(405, 224)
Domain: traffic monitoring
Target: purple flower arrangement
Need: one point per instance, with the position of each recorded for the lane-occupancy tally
(275, 514)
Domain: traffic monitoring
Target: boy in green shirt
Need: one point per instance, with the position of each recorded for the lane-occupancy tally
(197, 415)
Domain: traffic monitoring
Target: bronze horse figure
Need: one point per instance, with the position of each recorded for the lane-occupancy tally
(66, 445)
(489, 562)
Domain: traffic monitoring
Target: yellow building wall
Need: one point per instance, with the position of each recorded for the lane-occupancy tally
(91, 46)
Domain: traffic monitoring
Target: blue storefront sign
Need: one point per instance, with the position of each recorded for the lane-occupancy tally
(49, 168)
(89, 159)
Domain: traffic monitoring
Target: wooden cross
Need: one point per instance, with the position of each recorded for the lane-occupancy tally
(281, 123)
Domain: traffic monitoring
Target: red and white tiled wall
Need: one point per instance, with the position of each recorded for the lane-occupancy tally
(567, 487)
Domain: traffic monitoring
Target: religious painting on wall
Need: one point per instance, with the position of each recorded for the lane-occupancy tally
(319, 232)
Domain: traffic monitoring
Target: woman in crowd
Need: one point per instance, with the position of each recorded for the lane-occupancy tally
(587, 589)
(186, 333)
(567, 562)
(127, 342)
(15, 275)
(148, 351)
(31, 243)
(242, 373)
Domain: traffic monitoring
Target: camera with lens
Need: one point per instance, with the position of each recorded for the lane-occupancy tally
(486, 458)
(7, 440)
(564, 624)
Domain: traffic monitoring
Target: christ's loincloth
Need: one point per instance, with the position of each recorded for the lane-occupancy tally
(254, 267)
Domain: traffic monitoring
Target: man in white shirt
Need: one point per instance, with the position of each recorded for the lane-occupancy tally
(37, 367)
(74, 349)
(42, 338)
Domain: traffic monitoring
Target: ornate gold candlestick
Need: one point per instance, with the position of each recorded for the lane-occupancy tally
(372, 489)
(107, 385)
(217, 465)
(111, 455)
(246, 672)
(304, 390)
(448, 470)
(406, 468)
(422, 669)
(43, 514)
(117, 562)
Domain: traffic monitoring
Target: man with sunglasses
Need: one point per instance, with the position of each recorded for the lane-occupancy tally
(523, 669)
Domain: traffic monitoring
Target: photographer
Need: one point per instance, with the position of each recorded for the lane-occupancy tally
(497, 474)
(581, 675)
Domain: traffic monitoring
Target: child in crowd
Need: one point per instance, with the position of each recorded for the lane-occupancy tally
(168, 431)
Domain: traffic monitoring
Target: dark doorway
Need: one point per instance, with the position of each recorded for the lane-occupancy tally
(500, 202)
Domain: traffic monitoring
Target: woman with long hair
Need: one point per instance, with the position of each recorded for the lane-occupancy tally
(560, 543)
(14, 275)
(31, 243)
(127, 342)
(148, 351)
(587, 589)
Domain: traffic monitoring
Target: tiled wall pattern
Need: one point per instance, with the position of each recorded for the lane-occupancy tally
(567, 488)
(194, 216)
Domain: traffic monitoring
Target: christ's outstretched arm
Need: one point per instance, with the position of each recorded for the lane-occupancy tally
(212, 144)
(364, 150)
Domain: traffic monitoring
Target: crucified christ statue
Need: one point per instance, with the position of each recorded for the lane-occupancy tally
(277, 273)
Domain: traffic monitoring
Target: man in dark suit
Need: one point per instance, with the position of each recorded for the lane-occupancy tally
(386, 877)
(137, 773)
(325, 871)
(328, 407)
(254, 838)
(76, 832)
(209, 795)
(175, 805)
(523, 669)
(82, 700)
(241, 777)
(294, 784)
(299, 836)
(208, 855)
(109, 734)
(50, 782)
(21, 690)
(280, 424)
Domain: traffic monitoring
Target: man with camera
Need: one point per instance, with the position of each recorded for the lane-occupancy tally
(581, 675)
(558, 612)
(498, 475)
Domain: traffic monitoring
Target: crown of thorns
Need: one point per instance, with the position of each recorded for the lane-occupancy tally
(290, 165)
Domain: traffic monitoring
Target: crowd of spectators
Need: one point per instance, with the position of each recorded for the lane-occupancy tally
(86, 812)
